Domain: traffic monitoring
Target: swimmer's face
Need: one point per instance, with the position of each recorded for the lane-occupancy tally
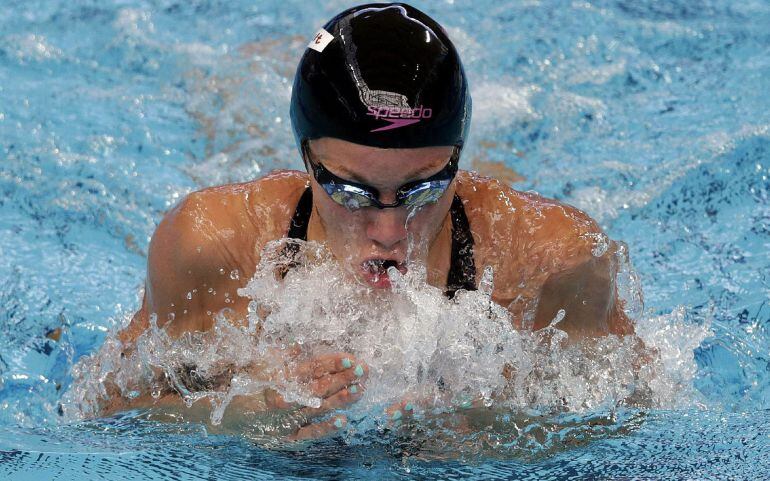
(358, 237)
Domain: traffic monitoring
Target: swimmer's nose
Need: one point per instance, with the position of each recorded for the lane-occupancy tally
(387, 227)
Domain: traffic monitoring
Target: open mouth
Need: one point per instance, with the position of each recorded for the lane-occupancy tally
(378, 266)
(376, 271)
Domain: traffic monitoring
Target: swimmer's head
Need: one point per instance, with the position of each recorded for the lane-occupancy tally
(380, 104)
(381, 75)
(370, 239)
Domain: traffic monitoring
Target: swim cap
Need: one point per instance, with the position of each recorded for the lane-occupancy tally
(382, 75)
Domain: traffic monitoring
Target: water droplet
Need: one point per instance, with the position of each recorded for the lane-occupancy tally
(601, 244)
(558, 318)
(486, 283)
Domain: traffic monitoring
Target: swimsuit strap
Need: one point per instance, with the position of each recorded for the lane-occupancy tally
(301, 217)
(297, 231)
(462, 269)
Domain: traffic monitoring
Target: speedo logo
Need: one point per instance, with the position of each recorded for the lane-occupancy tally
(399, 116)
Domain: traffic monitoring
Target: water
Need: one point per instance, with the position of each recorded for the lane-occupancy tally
(650, 116)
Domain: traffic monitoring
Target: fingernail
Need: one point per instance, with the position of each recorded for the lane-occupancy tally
(346, 363)
(353, 389)
(408, 407)
(396, 416)
(359, 371)
(338, 423)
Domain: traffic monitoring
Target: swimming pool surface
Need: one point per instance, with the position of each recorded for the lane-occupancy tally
(652, 116)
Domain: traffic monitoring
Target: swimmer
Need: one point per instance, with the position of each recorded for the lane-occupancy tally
(381, 112)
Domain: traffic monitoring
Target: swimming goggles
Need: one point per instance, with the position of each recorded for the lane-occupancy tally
(354, 196)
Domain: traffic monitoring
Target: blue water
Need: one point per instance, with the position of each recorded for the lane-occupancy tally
(651, 116)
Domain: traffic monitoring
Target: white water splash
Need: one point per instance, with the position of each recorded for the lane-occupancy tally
(417, 343)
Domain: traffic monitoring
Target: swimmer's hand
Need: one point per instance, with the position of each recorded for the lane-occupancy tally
(337, 379)
(330, 377)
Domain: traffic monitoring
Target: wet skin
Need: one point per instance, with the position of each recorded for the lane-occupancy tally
(540, 251)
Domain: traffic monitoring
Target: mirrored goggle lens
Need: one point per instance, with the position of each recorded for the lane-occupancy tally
(348, 196)
(426, 193)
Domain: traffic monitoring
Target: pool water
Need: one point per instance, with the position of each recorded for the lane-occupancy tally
(651, 116)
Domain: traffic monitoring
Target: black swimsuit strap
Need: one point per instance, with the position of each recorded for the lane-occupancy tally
(297, 231)
(462, 270)
(301, 217)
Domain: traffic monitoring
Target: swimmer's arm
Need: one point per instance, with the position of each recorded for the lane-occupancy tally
(186, 258)
(187, 272)
(585, 291)
(263, 412)
(170, 407)
(245, 415)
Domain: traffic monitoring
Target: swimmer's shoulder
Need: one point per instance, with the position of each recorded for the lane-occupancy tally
(543, 254)
(209, 233)
(222, 224)
(524, 224)
(260, 207)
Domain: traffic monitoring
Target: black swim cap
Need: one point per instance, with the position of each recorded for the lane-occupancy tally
(382, 75)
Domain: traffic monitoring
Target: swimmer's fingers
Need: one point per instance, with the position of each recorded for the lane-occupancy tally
(326, 364)
(330, 384)
(341, 399)
(336, 392)
(329, 427)
(319, 430)
(400, 411)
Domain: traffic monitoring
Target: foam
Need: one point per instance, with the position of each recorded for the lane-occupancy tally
(417, 344)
